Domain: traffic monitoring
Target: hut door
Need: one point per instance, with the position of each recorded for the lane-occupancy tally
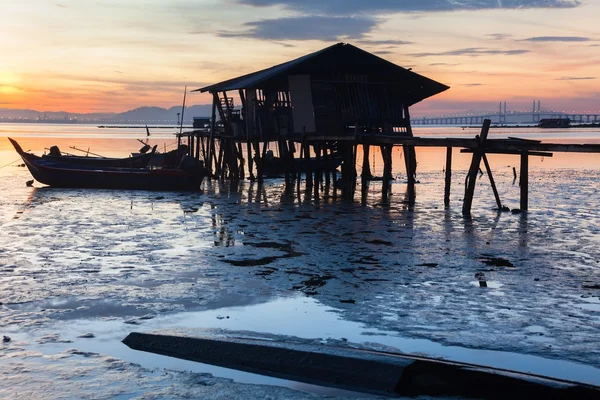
(302, 112)
(327, 118)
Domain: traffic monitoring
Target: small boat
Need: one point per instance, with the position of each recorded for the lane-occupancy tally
(137, 161)
(188, 176)
(274, 166)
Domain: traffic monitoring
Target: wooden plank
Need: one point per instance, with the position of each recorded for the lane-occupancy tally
(531, 153)
(367, 371)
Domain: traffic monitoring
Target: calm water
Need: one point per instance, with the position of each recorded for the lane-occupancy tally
(283, 264)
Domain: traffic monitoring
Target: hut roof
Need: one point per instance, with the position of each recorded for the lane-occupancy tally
(341, 58)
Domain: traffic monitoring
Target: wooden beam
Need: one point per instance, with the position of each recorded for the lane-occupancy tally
(489, 172)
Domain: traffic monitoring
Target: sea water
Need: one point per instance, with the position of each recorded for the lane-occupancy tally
(80, 269)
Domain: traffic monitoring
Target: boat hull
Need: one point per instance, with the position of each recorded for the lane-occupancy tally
(63, 175)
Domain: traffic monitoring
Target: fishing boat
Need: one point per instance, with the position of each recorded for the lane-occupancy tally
(136, 161)
(274, 166)
(188, 176)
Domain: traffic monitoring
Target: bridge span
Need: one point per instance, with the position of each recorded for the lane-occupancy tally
(512, 118)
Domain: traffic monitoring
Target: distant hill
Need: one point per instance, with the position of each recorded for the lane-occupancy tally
(158, 114)
(138, 115)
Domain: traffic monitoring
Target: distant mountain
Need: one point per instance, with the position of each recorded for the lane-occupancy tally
(158, 114)
(138, 115)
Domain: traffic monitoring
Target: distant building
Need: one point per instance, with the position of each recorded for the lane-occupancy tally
(554, 123)
(201, 122)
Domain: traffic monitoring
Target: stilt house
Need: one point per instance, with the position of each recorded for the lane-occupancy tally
(340, 91)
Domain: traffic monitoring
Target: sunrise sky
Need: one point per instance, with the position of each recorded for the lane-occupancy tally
(115, 55)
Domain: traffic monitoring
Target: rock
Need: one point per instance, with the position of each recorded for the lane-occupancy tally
(591, 286)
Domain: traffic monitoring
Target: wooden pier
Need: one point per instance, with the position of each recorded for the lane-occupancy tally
(321, 107)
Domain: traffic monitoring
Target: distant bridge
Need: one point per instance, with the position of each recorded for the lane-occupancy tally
(509, 118)
(502, 117)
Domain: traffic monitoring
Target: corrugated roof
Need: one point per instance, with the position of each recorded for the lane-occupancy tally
(340, 57)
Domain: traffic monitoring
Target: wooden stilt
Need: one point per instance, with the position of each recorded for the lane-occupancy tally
(307, 167)
(299, 172)
(474, 169)
(524, 180)
(366, 168)
(220, 160)
(317, 170)
(213, 128)
(326, 165)
(198, 147)
(448, 176)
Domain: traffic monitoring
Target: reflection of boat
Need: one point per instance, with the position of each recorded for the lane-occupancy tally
(57, 174)
(275, 166)
(137, 161)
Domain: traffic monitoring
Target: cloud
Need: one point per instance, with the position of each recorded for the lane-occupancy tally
(288, 45)
(472, 84)
(443, 64)
(557, 39)
(383, 52)
(352, 7)
(575, 78)
(472, 52)
(368, 42)
(499, 36)
(306, 28)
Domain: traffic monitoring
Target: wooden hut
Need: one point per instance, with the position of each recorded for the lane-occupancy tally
(340, 94)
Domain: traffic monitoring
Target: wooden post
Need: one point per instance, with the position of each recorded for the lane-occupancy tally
(524, 180)
(198, 147)
(366, 169)
(489, 172)
(250, 160)
(219, 168)
(326, 165)
(472, 175)
(204, 153)
(299, 172)
(448, 176)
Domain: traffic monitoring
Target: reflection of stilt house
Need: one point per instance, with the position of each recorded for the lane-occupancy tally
(340, 95)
